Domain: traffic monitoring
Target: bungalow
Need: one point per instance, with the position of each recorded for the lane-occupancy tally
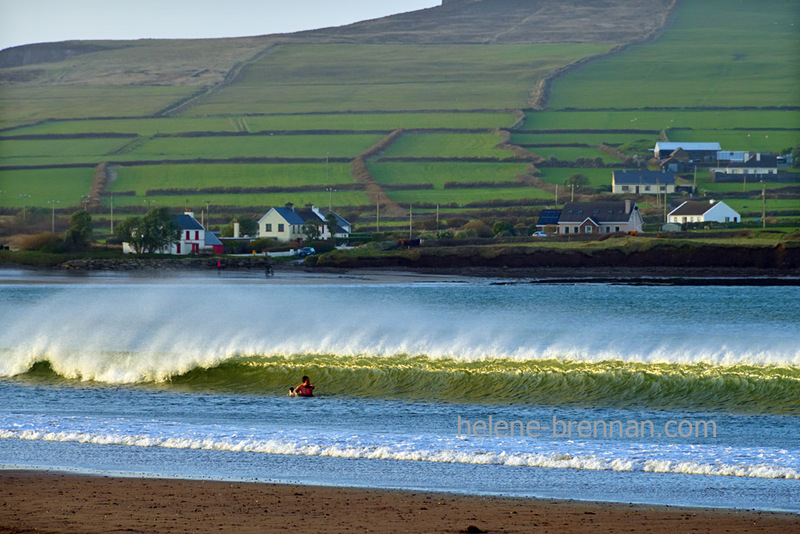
(642, 182)
(286, 224)
(744, 164)
(595, 217)
(693, 211)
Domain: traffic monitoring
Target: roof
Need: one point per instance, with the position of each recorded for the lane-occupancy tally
(548, 217)
(643, 177)
(670, 147)
(290, 216)
(599, 212)
(212, 239)
(693, 207)
(187, 222)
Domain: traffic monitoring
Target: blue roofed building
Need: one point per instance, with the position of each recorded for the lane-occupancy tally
(642, 182)
(286, 224)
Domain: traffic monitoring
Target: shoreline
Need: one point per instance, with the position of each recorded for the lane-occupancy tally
(635, 276)
(53, 501)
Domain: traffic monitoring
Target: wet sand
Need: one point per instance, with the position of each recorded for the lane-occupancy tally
(36, 501)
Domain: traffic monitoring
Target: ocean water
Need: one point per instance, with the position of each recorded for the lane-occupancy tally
(665, 395)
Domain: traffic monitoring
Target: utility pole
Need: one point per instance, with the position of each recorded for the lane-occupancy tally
(24, 205)
(763, 205)
(556, 194)
(112, 214)
(1, 201)
(378, 217)
(208, 211)
(410, 221)
(53, 220)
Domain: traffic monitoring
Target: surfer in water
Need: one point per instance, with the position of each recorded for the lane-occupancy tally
(306, 389)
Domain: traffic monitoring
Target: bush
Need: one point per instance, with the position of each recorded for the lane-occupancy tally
(44, 242)
(260, 245)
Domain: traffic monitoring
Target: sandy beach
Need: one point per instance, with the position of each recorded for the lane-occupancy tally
(34, 501)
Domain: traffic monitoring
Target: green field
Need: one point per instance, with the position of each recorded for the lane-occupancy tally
(142, 178)
(261, 202)
(641, 119)
(462, 197)
(713, 55)
(343, 77)
(438, 174)
(65, 185)
(750, 140)
(25, 105)
(45, 152)
(437, 145)
(270, 146)
(338, 121)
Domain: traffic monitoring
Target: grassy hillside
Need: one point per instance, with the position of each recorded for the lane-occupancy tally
(249, 123)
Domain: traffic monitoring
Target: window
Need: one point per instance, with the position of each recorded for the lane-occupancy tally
(187, 235)
(626, 188)
(566, 229)
(197, 234)
(588, 230)
(268, 227)
(281, 227)
(616, 228)
(647, 188)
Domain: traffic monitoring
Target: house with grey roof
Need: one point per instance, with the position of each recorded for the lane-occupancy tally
(606, 217)
(286, 224)
(642, 182)
(697, 211)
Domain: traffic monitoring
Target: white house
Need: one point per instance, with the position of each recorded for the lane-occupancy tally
(286, 224)
(193, 239)
(699, 211)
(642, 182)
(745, 163)
(606, 217)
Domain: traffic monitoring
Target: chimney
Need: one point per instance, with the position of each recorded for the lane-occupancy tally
(627, 206)
(710, 200)
(189, 213)
(235, 228)
(290, 206)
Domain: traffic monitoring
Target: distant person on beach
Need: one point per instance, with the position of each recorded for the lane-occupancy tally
(306, 389)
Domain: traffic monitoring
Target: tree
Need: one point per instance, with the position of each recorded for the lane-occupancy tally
(131, 231)
(332, 222)
(80, 231)
(161, 230)
(311, 229)
(247, 227)
(151, 233)
(577, 180)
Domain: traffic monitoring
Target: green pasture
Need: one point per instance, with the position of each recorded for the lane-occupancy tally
(26, 105)
(465, 196)
(714, 54)
(64, 185)
(439, 173)
(751, 187)
(349, 77)
(283, 146)
(446, 145)
(260, 201)
(55, 151)
(591, 139)
(380, 121)
(572, 154)
(750, 140)
(641, 119)
(336, 121)
(142, 178)
(752, 206)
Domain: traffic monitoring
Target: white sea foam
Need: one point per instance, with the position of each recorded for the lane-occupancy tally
(151, 332)
(389, 452)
